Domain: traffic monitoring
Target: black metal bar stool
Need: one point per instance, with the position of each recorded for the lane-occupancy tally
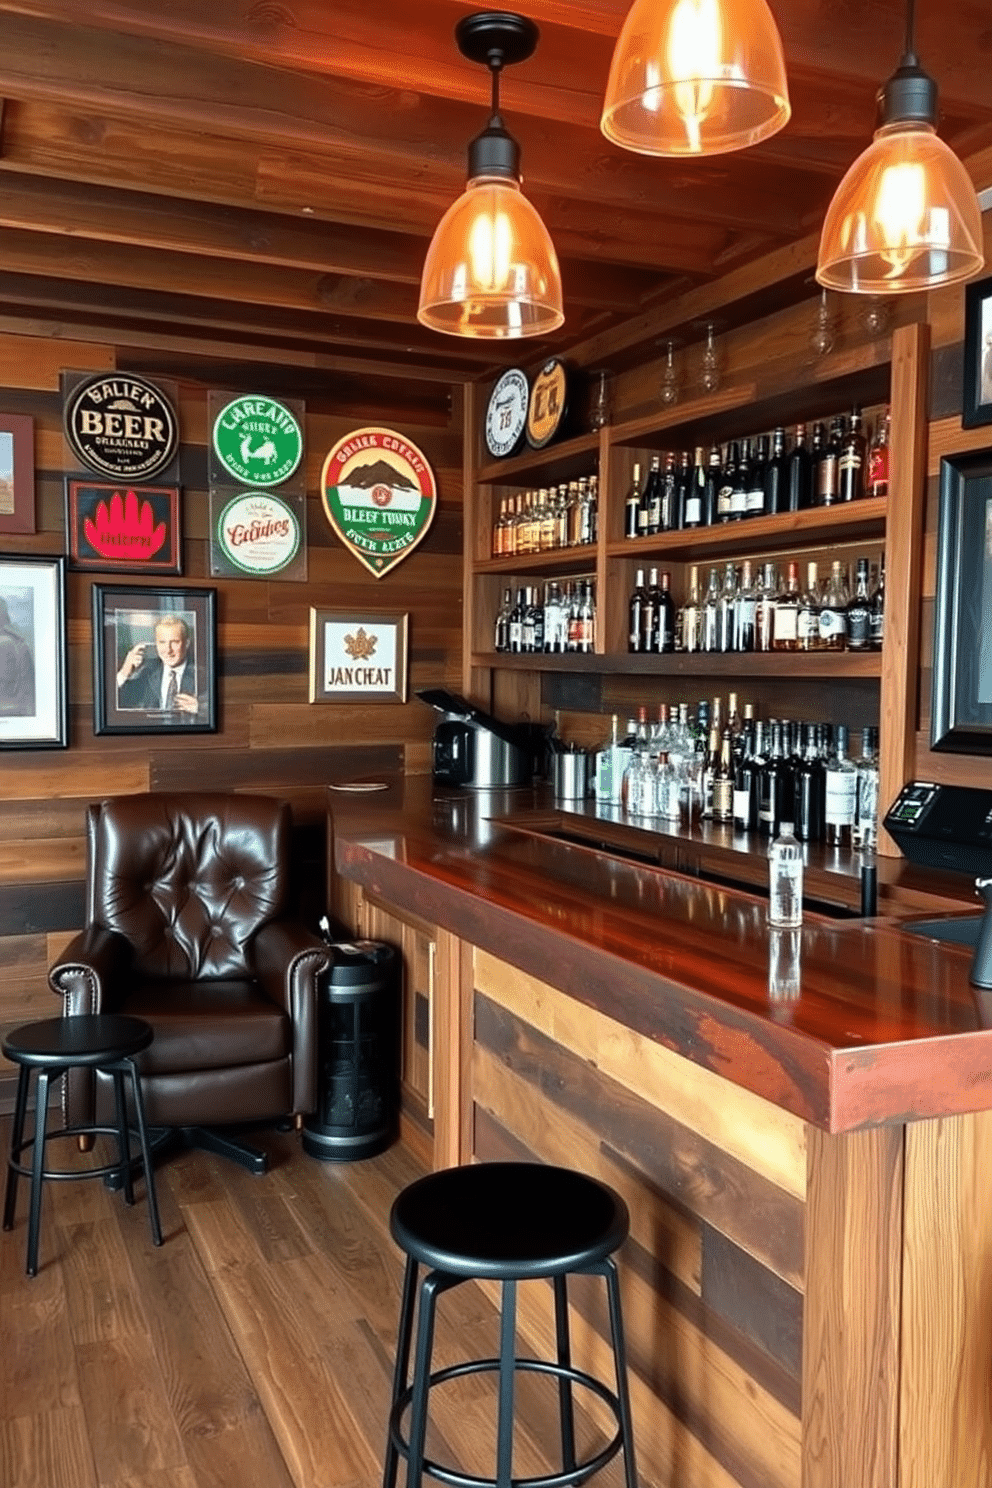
(505, 1222)
(99, 1042)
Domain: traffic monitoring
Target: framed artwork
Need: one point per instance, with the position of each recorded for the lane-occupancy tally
(155, 660)
(127, 529)
(961, 716)
(16, 473)
(32, 653)
(358, 657)
(977, 405)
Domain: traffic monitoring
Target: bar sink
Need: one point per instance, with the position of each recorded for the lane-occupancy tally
(960, 931)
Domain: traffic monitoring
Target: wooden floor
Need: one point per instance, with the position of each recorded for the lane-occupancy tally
(253, 1350)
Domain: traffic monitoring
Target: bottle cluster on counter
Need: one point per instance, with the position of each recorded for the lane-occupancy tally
(737, 770)
(760, 476)
(548, 518)
(744, 608)
(562, 620)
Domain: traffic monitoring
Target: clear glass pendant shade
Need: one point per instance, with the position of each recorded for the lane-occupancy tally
(491, 269)
(696, 77)
(904, 218)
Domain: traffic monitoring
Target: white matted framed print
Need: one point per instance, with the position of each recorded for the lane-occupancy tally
(32, 653)
(358, 656)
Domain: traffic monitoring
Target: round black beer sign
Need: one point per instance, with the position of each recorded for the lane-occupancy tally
(122, 426)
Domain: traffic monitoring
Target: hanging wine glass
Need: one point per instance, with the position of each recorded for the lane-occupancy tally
(822, 339)
(670, 380)
(601, 399)
(709, 369)
(878, 313)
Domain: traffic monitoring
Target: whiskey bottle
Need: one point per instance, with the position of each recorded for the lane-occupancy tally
(833, 610)
(841, 794)
(808, 618)
(859, 611)
(632, 506)
(851, 465)
(786, 635)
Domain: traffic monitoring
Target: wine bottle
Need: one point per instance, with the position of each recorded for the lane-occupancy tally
(777, 476)
(695, 493)
(632, 505)
(800, 473)
(635, 612)
(664, 611)
(841, 794)
(755, 499)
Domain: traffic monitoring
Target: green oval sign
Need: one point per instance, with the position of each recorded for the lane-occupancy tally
(258, 441)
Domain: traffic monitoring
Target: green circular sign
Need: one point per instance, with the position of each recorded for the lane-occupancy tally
(258, 441)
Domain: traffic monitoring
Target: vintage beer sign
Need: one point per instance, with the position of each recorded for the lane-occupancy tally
(548, 397)
(257, 441)
(256, 533)
(121, 426)
(506, 414)
(380, 495)
(133, 528)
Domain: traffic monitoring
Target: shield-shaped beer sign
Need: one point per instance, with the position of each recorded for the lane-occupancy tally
(379, 494)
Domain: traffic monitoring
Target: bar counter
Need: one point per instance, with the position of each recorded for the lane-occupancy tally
(804, 1152)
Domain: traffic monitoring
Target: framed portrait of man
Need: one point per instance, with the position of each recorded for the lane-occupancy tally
(977, 401)
(33, 712)
(155, 660)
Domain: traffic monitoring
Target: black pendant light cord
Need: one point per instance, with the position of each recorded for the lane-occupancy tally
(495, 63)
(909, 51)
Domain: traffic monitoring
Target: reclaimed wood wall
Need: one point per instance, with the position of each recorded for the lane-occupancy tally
(270, 738)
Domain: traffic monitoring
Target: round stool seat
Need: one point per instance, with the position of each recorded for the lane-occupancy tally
(89, 1039)
(508, 1221)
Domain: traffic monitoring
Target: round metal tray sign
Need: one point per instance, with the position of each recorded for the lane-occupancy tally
(547, 404)
(258, 441)
(379, 495)
(506, 415)
(258, 532)
(122, 426)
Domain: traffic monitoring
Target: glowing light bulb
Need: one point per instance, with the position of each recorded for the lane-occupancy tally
(694, 48)
(490, 249)
(900, 212)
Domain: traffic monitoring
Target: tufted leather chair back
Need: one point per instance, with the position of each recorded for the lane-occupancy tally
(188, 879)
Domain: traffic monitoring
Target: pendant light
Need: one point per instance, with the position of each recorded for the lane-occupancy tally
(906, 216)
(696, 77)
(491, 269)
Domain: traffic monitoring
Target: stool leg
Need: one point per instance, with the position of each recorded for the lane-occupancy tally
(620, 1363)
(146, 1157)
(16, 1137)
(564, 1384)
(429, 1288)
(37, 1168)
(507, 1361)
(401, 1370)
(123, 1136)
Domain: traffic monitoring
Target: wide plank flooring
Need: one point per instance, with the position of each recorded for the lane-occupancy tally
(253, 1350)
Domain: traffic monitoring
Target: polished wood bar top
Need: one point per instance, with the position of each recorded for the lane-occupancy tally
(846, 1023)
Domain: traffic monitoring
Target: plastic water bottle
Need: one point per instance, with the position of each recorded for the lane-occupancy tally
(785, 880)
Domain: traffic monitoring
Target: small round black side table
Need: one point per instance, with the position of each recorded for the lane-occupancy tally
(91, 1041)
(507, 1222)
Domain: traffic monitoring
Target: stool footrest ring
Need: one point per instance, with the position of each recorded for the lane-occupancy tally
(567, 1479)
(69, 1173)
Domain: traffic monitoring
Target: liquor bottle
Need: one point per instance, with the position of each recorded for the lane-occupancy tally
(666, 508)
(711, 610)
(841, 796)
(828, 467)
(737, 463)
(876, 630)
(851, 466)
(526, 623)
(785, 880)
(710, 766)
(632, 506)
(723, 782)
(755, 500)
(764, 613)
(800, 473)
(555, 620)
(516, 626)
(570, 516)
(636, 608)
(711, 491)
(808, 618)
(833, 610)
(501, 639)
(725, 610)
(859, 611)
(587, 619)
(547, 521)
(695, 492)
(745, 606)
(728, 474)
(664, 613)
(691, 619)
(683, 485)
(777, 476)
(877, 483)
(534, 624)
(652, 496)
(774, 786)
(649, 614)
(589, 508)
(746, 782)
(808, 790)
(499, 527)
(786, 636)
(865, 832)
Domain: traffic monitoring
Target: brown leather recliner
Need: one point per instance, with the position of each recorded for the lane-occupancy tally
(187, 928)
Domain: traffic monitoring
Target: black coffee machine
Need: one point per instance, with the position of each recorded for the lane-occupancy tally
(475, 750)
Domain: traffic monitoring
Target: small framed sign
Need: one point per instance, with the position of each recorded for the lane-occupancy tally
(258, 535)
(130, 529)
(256, 441)
(506, 414)
(379, 495)
(16, 472)
(155, 660)
(357, 657)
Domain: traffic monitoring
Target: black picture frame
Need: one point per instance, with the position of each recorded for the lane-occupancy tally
(976, 407)
(961, 713)
(33, 708)
(129, 694)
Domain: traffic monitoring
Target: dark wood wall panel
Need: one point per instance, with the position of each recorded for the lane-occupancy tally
(269, 737)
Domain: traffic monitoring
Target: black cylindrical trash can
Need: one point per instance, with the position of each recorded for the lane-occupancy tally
(358, 1058)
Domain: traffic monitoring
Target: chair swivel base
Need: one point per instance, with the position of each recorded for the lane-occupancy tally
(164, 1141)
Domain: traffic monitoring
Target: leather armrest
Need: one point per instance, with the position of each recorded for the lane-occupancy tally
(286, 960)
(89, 977)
